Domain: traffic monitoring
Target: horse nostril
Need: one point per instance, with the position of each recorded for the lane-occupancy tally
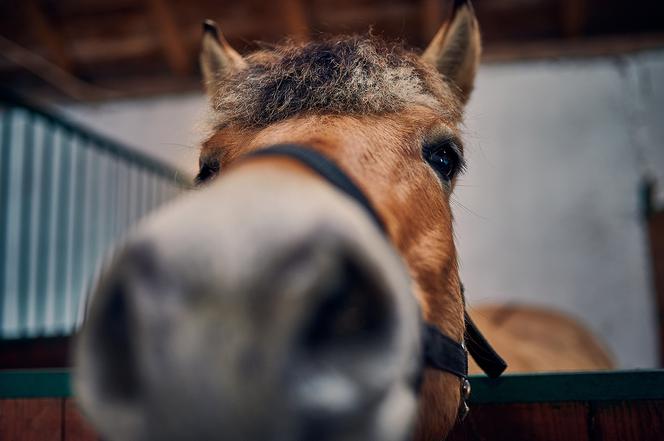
(353, 311)
(107, 348)
(141, 261)
(112, 335)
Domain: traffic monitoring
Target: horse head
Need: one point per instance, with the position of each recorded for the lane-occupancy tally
(267, 304)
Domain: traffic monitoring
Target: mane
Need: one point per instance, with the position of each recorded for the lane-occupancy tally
(353, 75)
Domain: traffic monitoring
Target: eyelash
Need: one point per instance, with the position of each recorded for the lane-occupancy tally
(209, 170)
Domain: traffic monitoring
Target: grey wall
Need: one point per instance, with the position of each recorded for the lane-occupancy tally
(168, 127)
(550, 206)
(548, 212)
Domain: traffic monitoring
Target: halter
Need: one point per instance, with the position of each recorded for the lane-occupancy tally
(440, 351)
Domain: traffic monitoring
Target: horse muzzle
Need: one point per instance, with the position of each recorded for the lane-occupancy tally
(266, 305)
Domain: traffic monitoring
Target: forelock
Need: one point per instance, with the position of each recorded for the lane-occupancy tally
(341, 76)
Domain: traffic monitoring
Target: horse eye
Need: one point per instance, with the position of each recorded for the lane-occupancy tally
(209, 169)
(444, 158)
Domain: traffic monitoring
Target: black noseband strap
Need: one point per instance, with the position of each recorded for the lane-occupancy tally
(443, 353)
(440, 351)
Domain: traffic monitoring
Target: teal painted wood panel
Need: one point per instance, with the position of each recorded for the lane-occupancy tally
(527, 388)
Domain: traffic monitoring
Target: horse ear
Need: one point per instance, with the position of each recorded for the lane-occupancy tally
(217, 58)
(455, 49)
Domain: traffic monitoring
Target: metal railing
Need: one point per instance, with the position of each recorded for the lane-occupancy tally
(66, 195)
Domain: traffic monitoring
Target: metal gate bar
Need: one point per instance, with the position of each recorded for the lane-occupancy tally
(66, 195)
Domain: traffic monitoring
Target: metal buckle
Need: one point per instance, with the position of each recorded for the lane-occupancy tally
(465, 394)
(463, 410)
(465, 389)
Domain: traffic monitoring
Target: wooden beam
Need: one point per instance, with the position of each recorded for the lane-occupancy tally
(35, 353)
(58, 78)
(172, 41)
(584, 47)
(363, 15)
(572, 17)
(97, 50)
(431, 17)
(47, 35)
(297, 22)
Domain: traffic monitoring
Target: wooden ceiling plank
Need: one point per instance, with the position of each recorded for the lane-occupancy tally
(97, 50)
(47, 35)
(573, 15)
(91, 51)
(297, 21)
(366, 15)
(431, 16)
(172, 41)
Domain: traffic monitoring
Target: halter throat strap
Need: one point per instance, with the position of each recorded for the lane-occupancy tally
(440, 351)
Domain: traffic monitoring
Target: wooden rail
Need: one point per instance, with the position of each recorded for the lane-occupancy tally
(626, 406)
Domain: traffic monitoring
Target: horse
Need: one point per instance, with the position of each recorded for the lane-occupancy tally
(537, 339)
(267, 304)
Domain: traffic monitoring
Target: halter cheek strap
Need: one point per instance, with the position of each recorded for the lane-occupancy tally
(440, 351)
(443, 353)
